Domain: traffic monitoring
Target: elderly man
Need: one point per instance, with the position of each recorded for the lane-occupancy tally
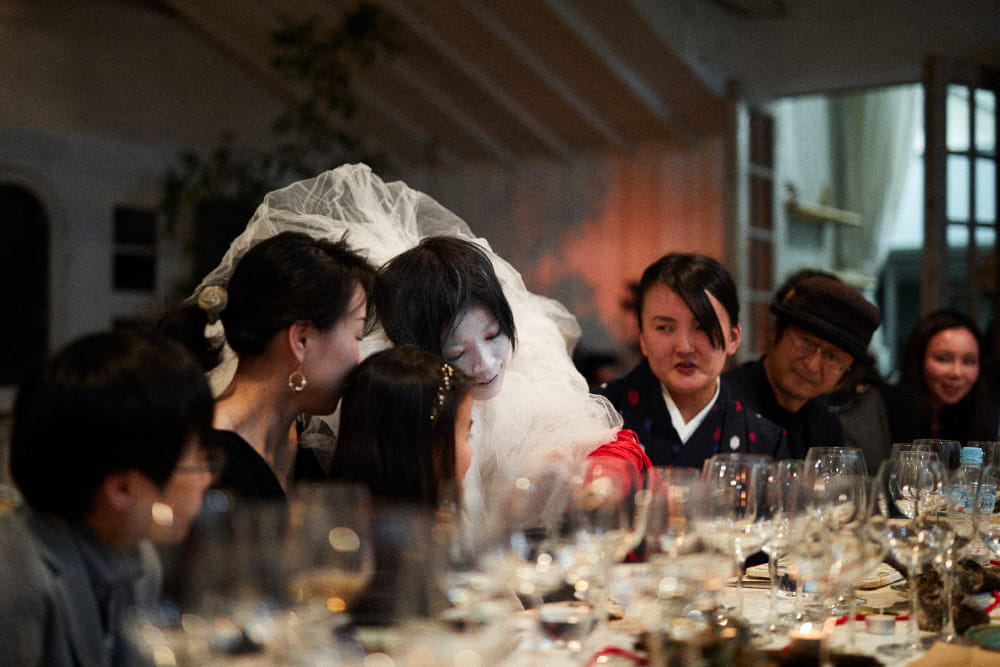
(823, 326)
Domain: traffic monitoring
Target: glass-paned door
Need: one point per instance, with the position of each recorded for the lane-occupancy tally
(961, 183)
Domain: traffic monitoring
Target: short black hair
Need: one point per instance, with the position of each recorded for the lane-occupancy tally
(691, 276)
(422, 292)
(388, 438)
(106, 403)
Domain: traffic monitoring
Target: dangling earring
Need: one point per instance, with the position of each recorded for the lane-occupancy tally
(297, 381)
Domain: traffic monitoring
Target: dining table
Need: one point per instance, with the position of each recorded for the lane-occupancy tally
(619, 642)
(620, 637)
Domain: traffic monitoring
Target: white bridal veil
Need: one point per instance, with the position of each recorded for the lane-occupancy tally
(544, 410)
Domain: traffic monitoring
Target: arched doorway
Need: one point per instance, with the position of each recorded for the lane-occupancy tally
(24, 283)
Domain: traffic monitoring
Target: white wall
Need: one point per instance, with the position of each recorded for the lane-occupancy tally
(97, 99)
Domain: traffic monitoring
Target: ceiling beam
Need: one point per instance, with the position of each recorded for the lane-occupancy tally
(439, 98)
(631, 79)
(429, 34)
(433, 151)
(252, 51)
(552, 79)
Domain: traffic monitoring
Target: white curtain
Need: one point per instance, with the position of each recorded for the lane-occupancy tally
(874, 134)
(873, 139)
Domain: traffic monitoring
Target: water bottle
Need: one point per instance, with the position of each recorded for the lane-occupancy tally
(966, 483)
(966, 488)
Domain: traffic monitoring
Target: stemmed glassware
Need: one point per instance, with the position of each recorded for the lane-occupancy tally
(782, 515)
(225, 590)
(987, 519)
(833, 461)
(961, 524)
(913, 541)
(329, 556)
(674, 583)
(915, 482)
(950, 451)
(732, 520)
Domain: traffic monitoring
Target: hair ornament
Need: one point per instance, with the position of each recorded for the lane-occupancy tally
(213, 299)
(443, 388)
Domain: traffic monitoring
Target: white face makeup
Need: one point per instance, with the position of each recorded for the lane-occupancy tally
(477, 348)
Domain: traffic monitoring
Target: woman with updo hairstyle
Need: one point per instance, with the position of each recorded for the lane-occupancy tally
(940, 364)
(291, 317)
(448, 292)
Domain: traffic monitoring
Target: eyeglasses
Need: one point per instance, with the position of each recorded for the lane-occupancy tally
(211, 464)
(807, 346)
(208, 466)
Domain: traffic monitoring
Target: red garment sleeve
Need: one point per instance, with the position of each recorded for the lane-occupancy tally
(624, 458)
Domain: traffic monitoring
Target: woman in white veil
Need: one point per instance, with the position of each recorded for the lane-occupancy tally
(543, 412)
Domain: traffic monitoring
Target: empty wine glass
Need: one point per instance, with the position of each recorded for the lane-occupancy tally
(915, 480)
(519, 543)
(950, 451)
(732, 521)
(673, 551)
(782, 512)
(832, 461)
(225, 590)
(987, 519)
(913, 542)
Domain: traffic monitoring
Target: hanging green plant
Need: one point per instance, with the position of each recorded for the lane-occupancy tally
(306, 139)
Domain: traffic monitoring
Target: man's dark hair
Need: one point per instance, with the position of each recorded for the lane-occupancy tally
(106, 403)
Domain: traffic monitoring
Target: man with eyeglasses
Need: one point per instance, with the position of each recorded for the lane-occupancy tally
(823, 327)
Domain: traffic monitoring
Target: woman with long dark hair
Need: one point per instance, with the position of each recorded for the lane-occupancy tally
(941, 365)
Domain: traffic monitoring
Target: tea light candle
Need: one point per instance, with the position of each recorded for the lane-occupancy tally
(807, 638)
(880, 624)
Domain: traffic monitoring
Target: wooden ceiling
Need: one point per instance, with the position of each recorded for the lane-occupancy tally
(492, 81)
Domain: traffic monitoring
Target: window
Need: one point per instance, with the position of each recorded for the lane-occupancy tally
(134, 266)
(961, 184)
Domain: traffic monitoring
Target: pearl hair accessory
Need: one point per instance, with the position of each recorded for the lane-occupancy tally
(445, 386)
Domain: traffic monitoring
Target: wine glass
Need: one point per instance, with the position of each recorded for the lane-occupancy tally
(960, 515)
(986, 518)
(915, 480)
(913, 541)
(732, 521)
(991, 450)
(519, 543)
(329, 556)
(782, 513)
(950, 451)
(673, 551)
(224, 591)
(832, 461)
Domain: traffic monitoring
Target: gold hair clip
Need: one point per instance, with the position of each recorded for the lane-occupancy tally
(444, 386)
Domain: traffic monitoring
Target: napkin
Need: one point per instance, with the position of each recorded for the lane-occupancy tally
(955, 655)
